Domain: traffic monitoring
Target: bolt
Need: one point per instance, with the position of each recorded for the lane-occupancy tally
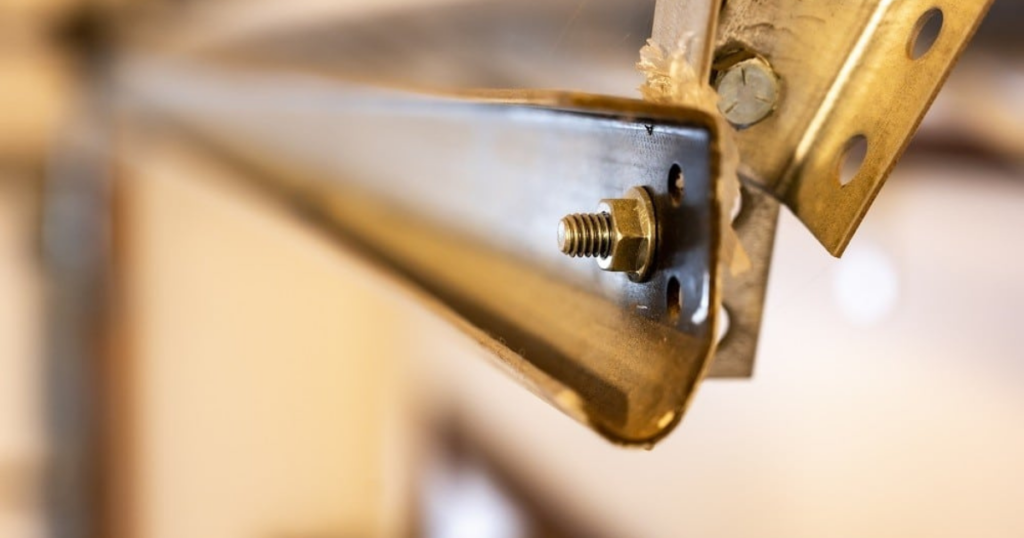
(747, 92)
(621, 235)
(586, 234)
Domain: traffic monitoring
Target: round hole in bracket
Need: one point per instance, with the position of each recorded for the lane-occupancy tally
(676, 184)
(674, 298)
(853, 158)
(926, 33)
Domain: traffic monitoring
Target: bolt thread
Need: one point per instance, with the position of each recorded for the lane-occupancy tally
(586, 235)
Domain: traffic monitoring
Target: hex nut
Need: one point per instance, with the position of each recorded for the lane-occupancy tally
(633, 234)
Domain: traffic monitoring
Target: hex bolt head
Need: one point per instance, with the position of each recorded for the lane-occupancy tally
(748, 92)
(621, 235)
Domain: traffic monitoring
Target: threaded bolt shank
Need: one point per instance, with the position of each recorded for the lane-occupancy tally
(586, 235)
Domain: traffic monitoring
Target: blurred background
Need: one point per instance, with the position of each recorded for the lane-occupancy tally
(179, 359)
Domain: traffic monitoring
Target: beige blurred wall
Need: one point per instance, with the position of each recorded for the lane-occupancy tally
(36, 90)
(36, 87)
(22, 432)
(263, 387)
(37, 80)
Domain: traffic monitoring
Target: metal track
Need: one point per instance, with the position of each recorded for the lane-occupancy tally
(461, 198)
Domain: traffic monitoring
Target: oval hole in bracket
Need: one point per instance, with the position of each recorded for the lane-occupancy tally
(856, 150)
(676, 184)
(674, 299)
(926, 33)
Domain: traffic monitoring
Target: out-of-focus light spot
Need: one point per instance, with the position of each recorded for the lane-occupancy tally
(464, 502)
(866, 285)
(723, 323)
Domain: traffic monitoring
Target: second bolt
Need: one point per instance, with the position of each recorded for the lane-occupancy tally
(747, 92)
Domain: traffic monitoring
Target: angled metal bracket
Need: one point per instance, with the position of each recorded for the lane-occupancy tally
(851, 73)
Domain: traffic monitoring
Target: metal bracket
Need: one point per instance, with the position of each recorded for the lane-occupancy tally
(850, 72)
(461, 197)
(743, 293)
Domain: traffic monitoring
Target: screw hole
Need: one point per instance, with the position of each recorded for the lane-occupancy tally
(674, 298)
(926, 33)
(676, 184)
(852, 159)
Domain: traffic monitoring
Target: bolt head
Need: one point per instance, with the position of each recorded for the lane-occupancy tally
(747, 92)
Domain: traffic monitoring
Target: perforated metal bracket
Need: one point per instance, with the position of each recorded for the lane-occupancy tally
(851, 73)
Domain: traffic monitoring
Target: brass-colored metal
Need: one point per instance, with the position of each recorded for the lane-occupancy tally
(622, 235)
(585, 235)
(846, 69)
